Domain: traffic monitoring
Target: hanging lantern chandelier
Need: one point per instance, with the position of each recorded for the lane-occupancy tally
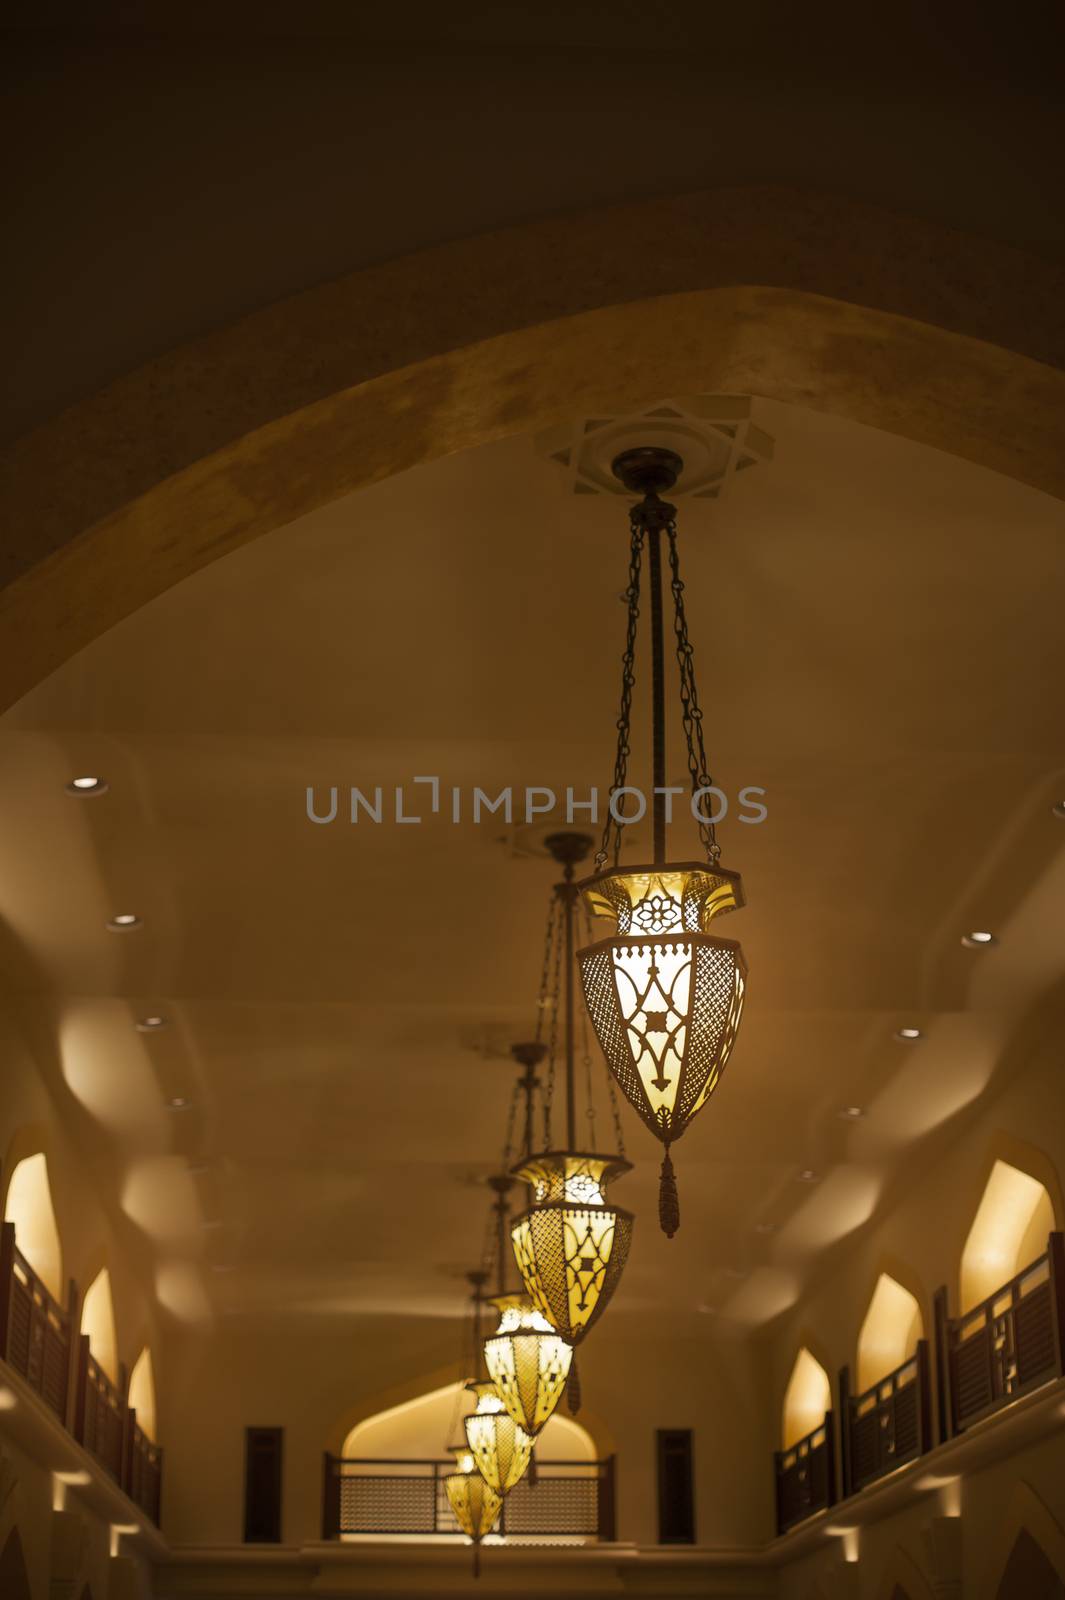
(473, 1502)
(570, 1244)
(474, 1505)
(528, 1361)
(499, 1445)
(665, 996)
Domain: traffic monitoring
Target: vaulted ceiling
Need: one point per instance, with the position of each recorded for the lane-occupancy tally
(879, 646)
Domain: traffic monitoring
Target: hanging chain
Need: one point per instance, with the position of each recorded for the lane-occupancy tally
(631, 597)
(543, 1000)
(554, 1002)
(508, 1140)
(691, 715)
(586, 1061)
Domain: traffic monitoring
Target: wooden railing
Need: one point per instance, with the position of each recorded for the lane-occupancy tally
(99, 1413)
(1010, 1343)
(806, 1475)
(143, 1468)
(568, 1498)
(886, 1426)
(34, 1329)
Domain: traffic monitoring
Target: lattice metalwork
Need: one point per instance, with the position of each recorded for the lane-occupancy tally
(528, 1361)
(499, 1446)
(571, 1249)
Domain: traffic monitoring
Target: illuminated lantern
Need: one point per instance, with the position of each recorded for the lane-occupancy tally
(570, 1244)
(528, 1361)
(474, 1505)
(499, 1446)
(665, 995)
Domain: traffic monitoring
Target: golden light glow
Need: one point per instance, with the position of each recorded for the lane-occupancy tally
(142, 1392)
(889, 1333)
(1009, 1231)
(570, 1253)
(528, 1362)
(500, 1448)
(98, 1321)
(665, 998)
(474, 1505)
(806, 1400)
(29, 1207)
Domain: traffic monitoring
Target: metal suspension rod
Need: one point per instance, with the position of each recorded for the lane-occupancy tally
(658, 694)
(569, 894)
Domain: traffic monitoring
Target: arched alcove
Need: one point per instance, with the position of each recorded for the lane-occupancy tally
(889, 1332)
(419, 1429)
(14, 1579)
(807, 1398)
(29, 1207)
(98, 1321)
(142, 1392)
(1009, 1230)
(1030, 1574)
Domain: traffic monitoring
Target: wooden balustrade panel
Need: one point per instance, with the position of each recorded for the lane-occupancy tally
(803, 1480)
(368, 1497)
(104, 1420)
(973, 1384)
(885, 1428)
(38, 1339)
(1033, 1325)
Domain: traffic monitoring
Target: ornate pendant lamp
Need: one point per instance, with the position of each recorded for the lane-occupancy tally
(474, 1503)
(665, 995)
(500, 1446)
(527, 1360)
(570, 1244)
(475, 1506)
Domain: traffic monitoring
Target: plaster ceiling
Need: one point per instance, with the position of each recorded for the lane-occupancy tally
(878, 641)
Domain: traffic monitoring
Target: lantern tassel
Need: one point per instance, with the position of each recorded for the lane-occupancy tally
(477, 1558)
(573, 1388)
(668, 1201)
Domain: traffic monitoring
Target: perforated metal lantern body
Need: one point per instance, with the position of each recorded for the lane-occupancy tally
(499, 1447)
(570, 1245)
(474, 1505)
(665, 996)
(528, 1361)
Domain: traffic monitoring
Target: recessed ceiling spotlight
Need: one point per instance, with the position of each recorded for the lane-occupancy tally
(221, 1266)
(852, 1113)
(807, 1175)
(198, 1165)
(1059, 810)
(908, 1035)
(124, 922)
(150, 1024)
(707, 1311)
(179, 1103)
(87, 786)
(765, 1227)
(978, 939)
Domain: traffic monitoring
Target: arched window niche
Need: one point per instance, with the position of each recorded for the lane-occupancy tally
(29, 1207)
(807, 1399)
(420, 1430)
(142, 1394)
(98, 1322)
(893, 1324)
(1010, 1229)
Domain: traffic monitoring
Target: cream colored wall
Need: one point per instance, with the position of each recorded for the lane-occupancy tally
(91, 1238)
(63, 1552)
(920, 1235)
(311, 1378)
